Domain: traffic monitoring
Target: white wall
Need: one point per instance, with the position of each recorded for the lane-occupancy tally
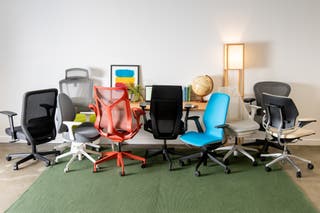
(172, 40)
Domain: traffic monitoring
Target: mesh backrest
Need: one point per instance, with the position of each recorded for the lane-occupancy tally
(271, 87)
(166, 111)
(38, 114)
(78, 88)
(289, 111)
(113, 110)
(216, 114)
(237, 109)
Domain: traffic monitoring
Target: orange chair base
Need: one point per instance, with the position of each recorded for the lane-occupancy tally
(119, 156)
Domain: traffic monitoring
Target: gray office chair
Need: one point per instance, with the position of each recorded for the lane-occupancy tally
(80, 137)
(271, 87)
(280, 124)
(239, 126)
(37, 125)
(79, 87)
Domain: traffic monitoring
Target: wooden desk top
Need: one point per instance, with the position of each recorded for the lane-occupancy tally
(201, 106)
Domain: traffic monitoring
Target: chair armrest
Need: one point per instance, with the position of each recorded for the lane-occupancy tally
(197, 122)
(70, 124)
(137, 112)
(10, 115)
(143, 106)
(249, 100)
(253, 110)
(93, 108)
(304, 121)
(222, 126)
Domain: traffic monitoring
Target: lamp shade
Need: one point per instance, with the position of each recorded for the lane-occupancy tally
(234, 56)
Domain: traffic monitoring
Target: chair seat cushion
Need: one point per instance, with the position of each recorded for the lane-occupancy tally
(199, 139)
(243, 127)
(291, 133)
(86, 132)
(169, 134)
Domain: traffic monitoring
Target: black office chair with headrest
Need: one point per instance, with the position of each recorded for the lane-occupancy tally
(281, 124)
(271, 87)
(165, 118)
(37, 124)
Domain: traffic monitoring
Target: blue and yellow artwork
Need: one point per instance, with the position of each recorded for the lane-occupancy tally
(124, 74)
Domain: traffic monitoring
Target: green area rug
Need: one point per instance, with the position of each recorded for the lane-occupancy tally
(155, 189)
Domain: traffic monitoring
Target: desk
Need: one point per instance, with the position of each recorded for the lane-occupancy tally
(201, 106)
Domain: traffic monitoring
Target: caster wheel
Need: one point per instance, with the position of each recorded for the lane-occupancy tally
(262, 158)
(144, 165)
(268, 169)
(226, 162)
(170, 167)
(227, 171)
(255, 163)
(57, 153)
(181, 163)
(56, 160)
(298, 174)
(8, 158)
(47, 164)
(310, 166)
(122, 174)
(66, 170)
(15, 167)
(197, 173)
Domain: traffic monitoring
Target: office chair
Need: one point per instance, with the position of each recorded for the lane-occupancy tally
(214, 119)
(165, 118)
(37, 125)
(240, 125)
(116, 121)
(80, 137)
(271, 87)
(79, 87)
(280, 124)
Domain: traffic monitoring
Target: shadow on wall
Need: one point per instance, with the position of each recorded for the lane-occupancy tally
(97, 75)
(307, 101)
(257, 55)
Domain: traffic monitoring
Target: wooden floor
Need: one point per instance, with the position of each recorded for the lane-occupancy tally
(14, 183)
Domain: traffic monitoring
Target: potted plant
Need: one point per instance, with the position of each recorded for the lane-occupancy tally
(135, 93)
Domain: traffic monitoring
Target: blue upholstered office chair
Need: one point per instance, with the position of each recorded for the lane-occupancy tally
(214, 119)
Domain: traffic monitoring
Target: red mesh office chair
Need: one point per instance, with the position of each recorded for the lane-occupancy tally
(116, 121)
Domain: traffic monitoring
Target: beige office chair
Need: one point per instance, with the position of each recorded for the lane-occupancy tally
(240, 125)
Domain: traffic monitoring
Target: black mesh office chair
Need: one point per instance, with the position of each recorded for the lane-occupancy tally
(79, 87)
(165, 118)
(280, 123)
(37, 125)
(271, 87)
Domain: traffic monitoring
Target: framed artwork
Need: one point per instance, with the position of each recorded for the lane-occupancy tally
(124, 74)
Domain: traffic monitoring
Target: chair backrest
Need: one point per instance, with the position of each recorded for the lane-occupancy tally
(281, 111)
(38, 112)
(113, 112)
(166, 111)
(271, 87)
(216, 114)
(65, 112)
(237, 110)
(79, 87)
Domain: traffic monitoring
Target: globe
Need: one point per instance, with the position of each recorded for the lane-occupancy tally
(202, 85)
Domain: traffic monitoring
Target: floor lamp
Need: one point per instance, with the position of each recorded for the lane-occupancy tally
(234, 66)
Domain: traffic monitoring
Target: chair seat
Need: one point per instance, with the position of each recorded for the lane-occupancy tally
(242, 128)
(86, 132)
(19, 133)
(291, 133)
(199, 139)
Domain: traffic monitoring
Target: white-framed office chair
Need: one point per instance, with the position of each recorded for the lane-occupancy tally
(281, 124)
(239, 125)
(80, 135)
